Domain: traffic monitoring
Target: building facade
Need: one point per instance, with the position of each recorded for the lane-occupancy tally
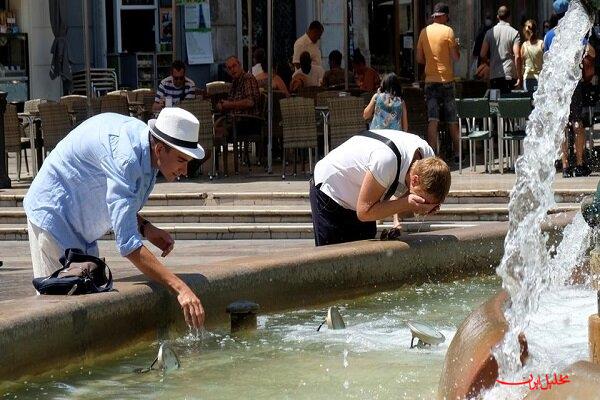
(121, 31)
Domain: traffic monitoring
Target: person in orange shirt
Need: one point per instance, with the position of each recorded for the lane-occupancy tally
(366, 78)
(438, 49)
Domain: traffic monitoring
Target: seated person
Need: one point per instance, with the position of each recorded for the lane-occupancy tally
(177, 87)
(366, 78)
(336, 75)
(243, 98)
(263, 79)
(387, 108)
(371, 176)
(308, 74)
(258, 56)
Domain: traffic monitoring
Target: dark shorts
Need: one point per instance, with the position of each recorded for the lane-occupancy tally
(333, 223)
(440, 96)
(576, 112)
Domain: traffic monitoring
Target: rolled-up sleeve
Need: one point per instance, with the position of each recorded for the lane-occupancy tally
(123, 178)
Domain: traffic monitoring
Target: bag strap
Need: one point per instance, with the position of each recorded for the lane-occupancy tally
(388, 142)
(107, 287)
(77, 255)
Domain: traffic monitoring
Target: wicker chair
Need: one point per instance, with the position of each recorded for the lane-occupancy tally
(345, 119)
(202, 110)
(322, 98)
(217, 91)
(56, 124)
(32, 106)
(310, 92)
(94, 106)
(299, 127)
(77, 106)
(138, 94)
(14, 140)
(115, 104)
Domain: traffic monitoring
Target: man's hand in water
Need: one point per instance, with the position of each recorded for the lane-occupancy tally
(192, 308)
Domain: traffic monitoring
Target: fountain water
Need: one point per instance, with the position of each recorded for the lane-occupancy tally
(527, 267)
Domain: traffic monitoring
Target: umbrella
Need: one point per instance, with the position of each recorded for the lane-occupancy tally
(60, 50)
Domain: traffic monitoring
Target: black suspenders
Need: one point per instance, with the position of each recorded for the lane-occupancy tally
(392, 189)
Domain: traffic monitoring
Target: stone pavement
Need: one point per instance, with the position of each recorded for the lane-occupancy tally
(16, 273)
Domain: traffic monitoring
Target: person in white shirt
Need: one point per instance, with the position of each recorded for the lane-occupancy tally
(309, 42)
(308, 74)
(371, 176)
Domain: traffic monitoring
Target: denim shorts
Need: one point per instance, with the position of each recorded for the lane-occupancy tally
(440, 96)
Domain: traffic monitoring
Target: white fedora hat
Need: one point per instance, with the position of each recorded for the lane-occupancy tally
(178, 129)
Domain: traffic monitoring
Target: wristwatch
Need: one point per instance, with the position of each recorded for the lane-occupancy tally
(142, 227)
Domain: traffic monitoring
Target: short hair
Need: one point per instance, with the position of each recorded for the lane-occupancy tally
(178, 65)
(434, 175)
(260, 56)
(503, 13)
(391, 84)
(359, 59)
(316, 26)
(530, 30)
(305, 62)
(335, 57)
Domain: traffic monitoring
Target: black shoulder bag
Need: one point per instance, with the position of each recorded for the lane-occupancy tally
(80, 274)
(392, 189)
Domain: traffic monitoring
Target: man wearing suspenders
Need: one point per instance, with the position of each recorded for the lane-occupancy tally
(371, 176)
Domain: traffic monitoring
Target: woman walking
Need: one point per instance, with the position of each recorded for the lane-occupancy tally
(532, 53)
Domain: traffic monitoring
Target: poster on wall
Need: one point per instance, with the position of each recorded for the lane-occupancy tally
(198, 35)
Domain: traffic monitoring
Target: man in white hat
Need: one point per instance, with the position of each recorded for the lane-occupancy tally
(98, 178)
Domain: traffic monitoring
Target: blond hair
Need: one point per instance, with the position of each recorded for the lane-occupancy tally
(434, 175)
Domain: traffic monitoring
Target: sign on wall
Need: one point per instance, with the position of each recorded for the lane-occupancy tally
(198, 33)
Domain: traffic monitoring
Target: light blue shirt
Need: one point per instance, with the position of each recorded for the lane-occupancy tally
(97, 178)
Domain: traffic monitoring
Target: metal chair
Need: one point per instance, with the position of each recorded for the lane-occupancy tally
(56, 124)
(102, 80)
(299, 127)
(115, 104)
(345, 119)
(14, 138)
(77, 106)
(512, 115)
(477, 123)
(202, 110)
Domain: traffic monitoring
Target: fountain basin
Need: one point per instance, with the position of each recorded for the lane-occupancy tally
(40, 333)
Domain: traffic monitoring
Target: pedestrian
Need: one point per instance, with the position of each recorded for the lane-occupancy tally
(98, 178)
(371, 176)
(501, 49)
(438, 50)
(532, 53)
(386, 108)
(487, 25)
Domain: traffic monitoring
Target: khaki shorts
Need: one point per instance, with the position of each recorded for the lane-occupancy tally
(46, 252)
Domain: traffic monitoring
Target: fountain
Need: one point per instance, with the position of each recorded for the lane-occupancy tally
(499, 353)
